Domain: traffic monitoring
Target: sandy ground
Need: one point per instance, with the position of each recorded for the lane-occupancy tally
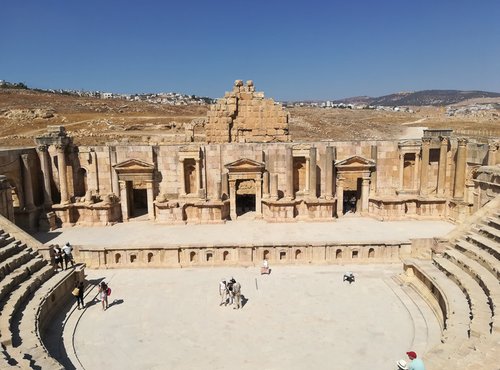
(299, 317)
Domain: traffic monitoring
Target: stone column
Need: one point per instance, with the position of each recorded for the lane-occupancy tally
(224, 184)
(274, 186)
(329, 172)
(492, 153)
(415, 171)
(258, 197)
(96, 170)
(265, 188)
(460, 169)
(289, 173)
(61, 162)
(443, 151)
(308, 161)
(44, 162)
(312, 173)
(365, 193)
(124, 200)
(198, 175)
(401, 169)
(27, 183)
(424, 168)
(373, 177)
(340, 196)
(150, 197)
(183, 178)
(232, 199)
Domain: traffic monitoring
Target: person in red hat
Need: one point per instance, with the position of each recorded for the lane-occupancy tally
(415, 363)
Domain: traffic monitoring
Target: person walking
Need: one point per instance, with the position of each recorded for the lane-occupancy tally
(78, 293)
(230, 293)
(223, 292)
(68, 255)
(415, 363)
(103, 295)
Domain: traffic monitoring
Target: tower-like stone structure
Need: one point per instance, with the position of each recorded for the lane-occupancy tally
(244, 115)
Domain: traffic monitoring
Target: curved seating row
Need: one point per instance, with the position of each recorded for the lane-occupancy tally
(464, 281)
(27, 285)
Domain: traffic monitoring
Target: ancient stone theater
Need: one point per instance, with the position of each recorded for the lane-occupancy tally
(248, 167)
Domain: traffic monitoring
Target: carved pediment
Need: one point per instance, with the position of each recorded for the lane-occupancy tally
(134, 165)
(245, 165)
(355, 161)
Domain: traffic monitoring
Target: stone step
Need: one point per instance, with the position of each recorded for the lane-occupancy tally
(14, 261)
(483, 277)
(494, 222)
(18, 297)
(491, 233)
(478, 303)
(17, 276)
(31, 344)
(487, 244)
(6, 239)
(10, 249)
(458, 315)
(480, 255)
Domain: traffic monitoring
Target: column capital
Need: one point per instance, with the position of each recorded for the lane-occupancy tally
(42, 148)
(444, 140)
(426, 141)
(60, 147)
(25, 157)
(462, 141)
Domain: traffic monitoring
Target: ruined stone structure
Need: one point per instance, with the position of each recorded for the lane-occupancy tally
(250, 168)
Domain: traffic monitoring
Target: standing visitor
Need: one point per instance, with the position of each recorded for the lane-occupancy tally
(103, 295)
(68, 255)
(58, 258)
(223, 292)
(415, 363)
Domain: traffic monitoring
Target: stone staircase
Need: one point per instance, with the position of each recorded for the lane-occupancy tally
(27, 286)
(462, 282)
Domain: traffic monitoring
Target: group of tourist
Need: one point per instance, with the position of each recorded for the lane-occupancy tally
(414, 363)
(104, 291)
(230, 292)
(63, 256)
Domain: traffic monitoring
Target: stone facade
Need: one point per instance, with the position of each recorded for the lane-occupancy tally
(248, 168)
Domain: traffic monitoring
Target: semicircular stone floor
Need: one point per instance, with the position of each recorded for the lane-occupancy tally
(299, 317)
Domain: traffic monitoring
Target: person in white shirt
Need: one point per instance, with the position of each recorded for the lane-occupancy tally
(223, 292)
(68, 255)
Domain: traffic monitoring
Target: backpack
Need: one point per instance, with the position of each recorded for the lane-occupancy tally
(108, 291)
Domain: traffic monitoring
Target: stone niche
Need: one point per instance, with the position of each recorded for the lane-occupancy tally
(244, 115)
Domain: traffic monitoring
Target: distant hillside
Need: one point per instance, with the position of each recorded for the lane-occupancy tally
(421, 98)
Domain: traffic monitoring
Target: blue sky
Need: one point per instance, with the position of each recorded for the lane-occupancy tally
(291, 49)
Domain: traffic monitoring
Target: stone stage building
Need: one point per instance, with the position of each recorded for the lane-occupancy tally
(248, 167)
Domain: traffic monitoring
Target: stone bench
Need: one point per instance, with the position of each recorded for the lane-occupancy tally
(11, 249)
(490, 232)
(17, 298)
(15, 261)
(453, 304)
(480, 255)
(487, 244)
(480, 311)
(8, 284)
(485, 280)
(493, 222)
(5, 239)
(31, 346)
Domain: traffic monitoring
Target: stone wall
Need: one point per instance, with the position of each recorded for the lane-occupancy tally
(244, 115)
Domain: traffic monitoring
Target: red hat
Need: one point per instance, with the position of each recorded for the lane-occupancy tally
(411, 355)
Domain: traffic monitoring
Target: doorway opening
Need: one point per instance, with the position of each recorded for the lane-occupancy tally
(245, 197)
(139, 203)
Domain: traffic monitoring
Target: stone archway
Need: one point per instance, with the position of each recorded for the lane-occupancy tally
(245, 179)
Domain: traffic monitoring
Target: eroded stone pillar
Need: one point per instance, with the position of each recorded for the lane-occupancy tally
(312, 172)
(44, 164)
(339, 192)
(274, 186)
(460, 169)
(443, 151)
(365, 193)
(182, 180)
(124, 200)
(232, 199)
(289, 173)
(265, 188)
(198, 175)
(492, 153)
(401, 169)
(424, 168)
(415, 171)
(61, 163)
(224, 184)
(150, 198)
(328, 173)
(27, 183)
(258, 197)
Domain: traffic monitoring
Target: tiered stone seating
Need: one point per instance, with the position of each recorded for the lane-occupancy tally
(471, 265)
(26, 280)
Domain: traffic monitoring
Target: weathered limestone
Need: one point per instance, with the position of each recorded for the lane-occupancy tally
(424, 171)
(460, 169)
(44, 164)
(442, 166)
